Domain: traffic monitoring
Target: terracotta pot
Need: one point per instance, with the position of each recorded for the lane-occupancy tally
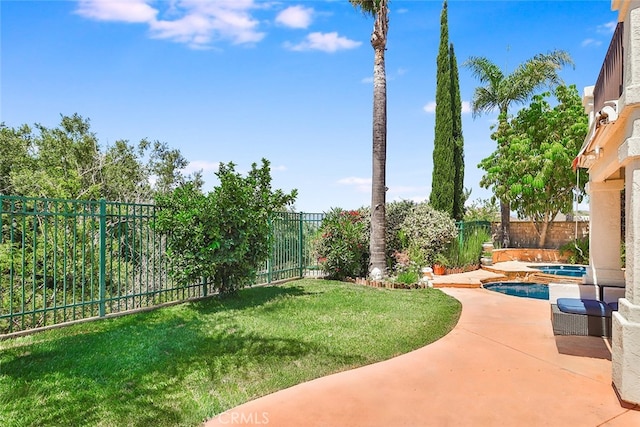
(438, 269)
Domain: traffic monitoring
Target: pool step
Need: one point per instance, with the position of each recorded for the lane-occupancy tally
(457, 285)
(470, 279)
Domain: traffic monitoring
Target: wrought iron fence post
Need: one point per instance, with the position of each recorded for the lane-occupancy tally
(301, 244)
(271, 252)
(103, 257)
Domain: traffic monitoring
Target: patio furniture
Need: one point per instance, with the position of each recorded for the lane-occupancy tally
(572, 290)
(576, 316)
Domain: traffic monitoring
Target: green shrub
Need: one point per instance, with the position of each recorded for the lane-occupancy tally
(222, 236)
(577, 251)
(466, 250)
(342, 245)
(427, 231)
(408, 277)
(395, 238)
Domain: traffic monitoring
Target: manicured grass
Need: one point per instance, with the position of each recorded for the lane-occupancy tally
(183, 364)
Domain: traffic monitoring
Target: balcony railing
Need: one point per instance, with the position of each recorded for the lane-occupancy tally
(610, 82)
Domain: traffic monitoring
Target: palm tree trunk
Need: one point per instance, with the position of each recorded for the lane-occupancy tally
(378, 183)
(505, 205)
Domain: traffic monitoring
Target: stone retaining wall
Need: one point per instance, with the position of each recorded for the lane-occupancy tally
(527, 255)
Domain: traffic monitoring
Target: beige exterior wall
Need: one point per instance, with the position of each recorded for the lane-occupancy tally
(612, 155)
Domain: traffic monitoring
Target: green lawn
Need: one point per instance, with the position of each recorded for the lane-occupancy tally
(183, 364)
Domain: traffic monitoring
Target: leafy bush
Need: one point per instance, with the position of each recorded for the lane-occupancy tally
(222, 236)
(342, 246)
(396, 240)
(577, 251)
(427, 232)
(408, 277)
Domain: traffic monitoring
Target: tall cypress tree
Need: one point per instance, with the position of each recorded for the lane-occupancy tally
(458, 140)
(443, 177)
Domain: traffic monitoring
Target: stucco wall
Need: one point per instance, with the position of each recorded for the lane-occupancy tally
(524, 235)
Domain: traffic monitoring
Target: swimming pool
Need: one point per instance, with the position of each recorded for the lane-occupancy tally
(520, 289)
(562, 270)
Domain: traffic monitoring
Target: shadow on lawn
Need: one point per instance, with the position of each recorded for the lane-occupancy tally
(249, 298)
(141, 369)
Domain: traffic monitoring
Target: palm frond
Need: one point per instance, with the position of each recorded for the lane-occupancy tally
(484, 70)
(368, 7)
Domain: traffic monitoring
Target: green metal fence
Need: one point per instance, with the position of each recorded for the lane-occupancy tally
(65, 260)
(469, 228)
(291, 255)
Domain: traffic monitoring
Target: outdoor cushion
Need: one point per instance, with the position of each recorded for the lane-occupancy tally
(614, 306)
(590, 307)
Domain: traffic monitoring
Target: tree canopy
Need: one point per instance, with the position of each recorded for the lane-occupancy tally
(531, 168)
(500, 90)
(67, 162)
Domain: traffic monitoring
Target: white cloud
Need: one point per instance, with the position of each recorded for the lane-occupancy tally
(390, 77)
(295, 17)
(607, 28)
(590, 42)
(192, 22)
(362, 185)
(326, 42)
(280, 168)
(132, 11)
(430, 107)
(202, 165)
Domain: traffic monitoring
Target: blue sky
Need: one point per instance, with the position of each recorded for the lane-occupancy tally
(290, 81)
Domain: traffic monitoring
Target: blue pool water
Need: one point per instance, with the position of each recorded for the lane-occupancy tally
(563, 270)
(520, 289)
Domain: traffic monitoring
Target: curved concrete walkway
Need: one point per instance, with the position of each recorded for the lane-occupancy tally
(500, 366)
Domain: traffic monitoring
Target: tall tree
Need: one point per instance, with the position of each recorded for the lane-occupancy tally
(500, 90)
(443, 175)
(533, 170)
(380, 11)
(67, 162)
(459, 194)
(447, 184)
(14, 154)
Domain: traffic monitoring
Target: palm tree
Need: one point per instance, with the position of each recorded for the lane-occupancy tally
(499, 91)
(380, 11)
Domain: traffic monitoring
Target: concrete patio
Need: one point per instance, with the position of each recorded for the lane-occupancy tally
(500, 366)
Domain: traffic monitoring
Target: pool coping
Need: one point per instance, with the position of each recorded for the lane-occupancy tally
(502, 271)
